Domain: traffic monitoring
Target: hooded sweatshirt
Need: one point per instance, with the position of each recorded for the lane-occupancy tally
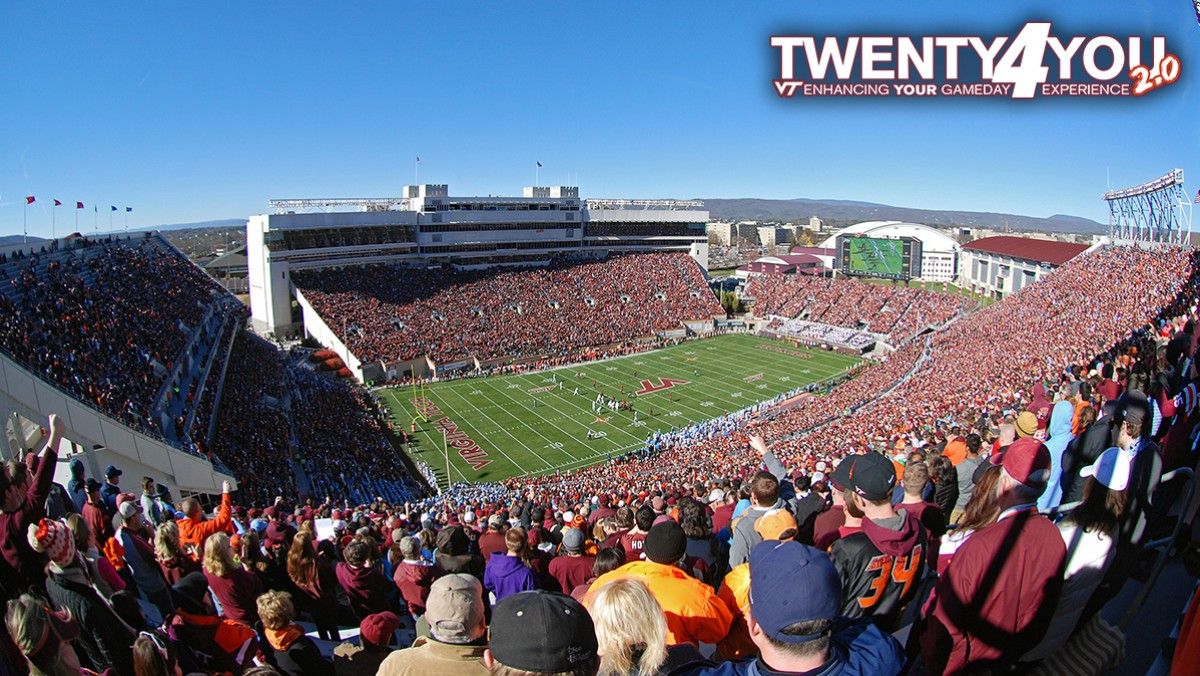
(366, 588)
(295, 653)
(77, 487)
(507, 575)
(881, 567)
(452, 555)
(1060, 436)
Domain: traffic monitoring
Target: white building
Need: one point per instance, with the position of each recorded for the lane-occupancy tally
(428, 226)
(998, 266)
(939, 251)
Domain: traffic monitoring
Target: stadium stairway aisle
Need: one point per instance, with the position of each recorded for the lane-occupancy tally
(1157, 618)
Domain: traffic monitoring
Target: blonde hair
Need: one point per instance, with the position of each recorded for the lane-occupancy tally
(166, 542)
(218, 555)
(276, 610)
(630, 628)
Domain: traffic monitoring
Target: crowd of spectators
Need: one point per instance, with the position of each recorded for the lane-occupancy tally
(391, 313)
(813, 333)
(886, 309)
(819, 540)
(253, 433)
(104, 321)
(342, 447)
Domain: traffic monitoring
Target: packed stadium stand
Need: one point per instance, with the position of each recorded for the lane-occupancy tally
(397, 314)
(833, 516)
(892, 310)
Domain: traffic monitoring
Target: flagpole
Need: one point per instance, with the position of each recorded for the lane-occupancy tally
(53, 218)
(76, 219)
(110, 213)
(25, 223)
(537, 173)
(417, 171)
(446, 451)
(126, 220)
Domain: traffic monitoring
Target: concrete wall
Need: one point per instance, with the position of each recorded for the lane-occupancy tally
(137, 454)
(316, 328)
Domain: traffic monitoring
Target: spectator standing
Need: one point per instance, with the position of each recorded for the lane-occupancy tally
(316, 584)
(1006, 576)
(107, 638)
(571, 568)
(23, 504)
(413, 576)
(764, 496)
(194, 529)
(294, 654)
(457, 633)
(795, 593)
(377, 635)
(509, 573)
(966, 474)
(541, 632)
(694, 613)
(360, 577)
(111, 488)
(235, 588)
(889, 541)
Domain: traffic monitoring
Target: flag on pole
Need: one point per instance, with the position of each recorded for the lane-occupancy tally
(418, 158)
(128, 209)
(539, 164)
(57, 203)
(30, 199)
(112, 207)
(79, 205)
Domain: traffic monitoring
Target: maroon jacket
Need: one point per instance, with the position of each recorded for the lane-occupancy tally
(490, 543)
(414, 580)
(238, 594)
(571, 571)
(366, 588)
(995, 601)
(20, 566)
(825, 528)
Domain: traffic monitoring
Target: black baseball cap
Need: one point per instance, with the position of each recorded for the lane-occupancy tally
(873, 477)
(840, 476)
(542, 632)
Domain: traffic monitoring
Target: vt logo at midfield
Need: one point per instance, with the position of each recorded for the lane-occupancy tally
(648, 386)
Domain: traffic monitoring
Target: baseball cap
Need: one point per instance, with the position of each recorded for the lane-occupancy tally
(790, 583)
(840, 477)
(1027, 460)
(455, 608)
(776, 524)
(665, 543)
(1136, 407)
(112, 471)
(377, 629)
(543, 632)
(495, 520)
(1111, 469)
(92, 485)
(128, 509)
(572, 539)
(873, 477)
(716, 495)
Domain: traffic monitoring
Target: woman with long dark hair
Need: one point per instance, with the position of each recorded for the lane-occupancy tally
(316, 583)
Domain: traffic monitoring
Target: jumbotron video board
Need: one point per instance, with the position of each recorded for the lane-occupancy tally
(888, 258)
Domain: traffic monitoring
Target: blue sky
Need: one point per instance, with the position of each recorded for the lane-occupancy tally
(206, 110)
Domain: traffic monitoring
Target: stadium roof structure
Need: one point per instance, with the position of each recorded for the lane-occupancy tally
(1049, 251)
(784, 265)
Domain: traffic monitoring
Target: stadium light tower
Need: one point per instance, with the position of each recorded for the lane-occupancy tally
(1155, 212)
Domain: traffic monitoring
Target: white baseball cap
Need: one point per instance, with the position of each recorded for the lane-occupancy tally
(1111, 469)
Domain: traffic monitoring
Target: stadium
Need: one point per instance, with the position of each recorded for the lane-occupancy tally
(486, 426)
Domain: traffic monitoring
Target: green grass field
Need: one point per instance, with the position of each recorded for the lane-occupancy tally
(518, 425)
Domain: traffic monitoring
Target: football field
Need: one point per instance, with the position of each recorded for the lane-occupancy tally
(537, 423)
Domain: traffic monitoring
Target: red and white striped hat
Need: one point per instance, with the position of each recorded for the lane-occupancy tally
(51, 537)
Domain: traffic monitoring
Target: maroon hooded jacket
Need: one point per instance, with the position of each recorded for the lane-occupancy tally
(881, 568)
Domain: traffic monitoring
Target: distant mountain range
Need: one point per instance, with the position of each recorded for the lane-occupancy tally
(201, 225)
(801, 209)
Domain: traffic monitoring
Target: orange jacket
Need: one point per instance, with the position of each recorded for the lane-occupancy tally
(694, 613)
(193, 532)
(735, 592)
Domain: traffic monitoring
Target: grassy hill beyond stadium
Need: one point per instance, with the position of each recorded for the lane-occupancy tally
(527, 424)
